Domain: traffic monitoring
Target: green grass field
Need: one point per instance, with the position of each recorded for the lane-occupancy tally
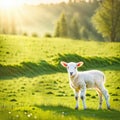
(34, 86)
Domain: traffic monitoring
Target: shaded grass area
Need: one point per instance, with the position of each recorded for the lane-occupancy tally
(57, 112)
(92, 62)
(29, 69)
(82, 114)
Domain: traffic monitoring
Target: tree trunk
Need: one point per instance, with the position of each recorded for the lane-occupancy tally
(113, 37)
(113, 23)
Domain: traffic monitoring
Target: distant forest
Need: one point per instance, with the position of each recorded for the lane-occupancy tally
(42, 19)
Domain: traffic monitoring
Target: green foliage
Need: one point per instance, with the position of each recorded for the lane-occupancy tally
(33, 84)
(57, 29)
(74, 29)
(61, 27)
(78, 23)
(34, 35)
(25, 34)
(84, 33)
(106, 19)
(48, 35)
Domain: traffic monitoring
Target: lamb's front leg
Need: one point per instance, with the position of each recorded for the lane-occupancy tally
(82, 96)
(77, 99)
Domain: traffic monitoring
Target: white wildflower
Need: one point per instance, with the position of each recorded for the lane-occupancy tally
(17, 116)
(29, 115)
(9, 112)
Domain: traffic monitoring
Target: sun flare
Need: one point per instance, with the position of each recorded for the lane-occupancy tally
(8, 4)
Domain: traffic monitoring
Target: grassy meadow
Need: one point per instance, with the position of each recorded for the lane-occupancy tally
(34, 86)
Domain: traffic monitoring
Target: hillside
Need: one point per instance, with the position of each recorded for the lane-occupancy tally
(33, 84)
(18, 53)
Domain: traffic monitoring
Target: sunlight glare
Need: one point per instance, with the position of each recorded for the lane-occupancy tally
(8, 4)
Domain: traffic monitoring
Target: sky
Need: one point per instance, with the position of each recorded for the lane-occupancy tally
(42, 1)
(13, 4)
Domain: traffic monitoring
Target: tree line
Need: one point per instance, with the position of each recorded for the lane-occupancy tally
(106, 21)
(71, 30)
(76, 19)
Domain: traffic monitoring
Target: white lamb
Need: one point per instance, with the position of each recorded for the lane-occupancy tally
(79, 81)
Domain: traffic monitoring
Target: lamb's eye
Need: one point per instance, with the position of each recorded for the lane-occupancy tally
(67, 67)
(75, 67)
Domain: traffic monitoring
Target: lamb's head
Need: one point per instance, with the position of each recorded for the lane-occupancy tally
(71, 67)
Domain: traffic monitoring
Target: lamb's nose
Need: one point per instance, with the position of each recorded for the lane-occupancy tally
(71, 73)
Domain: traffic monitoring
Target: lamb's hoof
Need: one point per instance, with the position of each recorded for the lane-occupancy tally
(100, 108)
(85, 108)
(108, 107)
(76, 108)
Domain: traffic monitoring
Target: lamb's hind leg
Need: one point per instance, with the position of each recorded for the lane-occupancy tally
(106, 95)
(100, 98)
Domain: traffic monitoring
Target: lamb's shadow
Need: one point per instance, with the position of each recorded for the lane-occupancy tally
(79, 114)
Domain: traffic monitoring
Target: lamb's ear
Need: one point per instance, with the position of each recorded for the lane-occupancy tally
(64, 64)
(79, 64)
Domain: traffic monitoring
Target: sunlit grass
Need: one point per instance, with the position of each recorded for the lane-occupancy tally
(37, 49)
(33, 85)
(46, 97)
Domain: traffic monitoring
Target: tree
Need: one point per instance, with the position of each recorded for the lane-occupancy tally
(74, 29)
(107, 19)
(61, 29)
(57, 30)
(84, 33)
(13, 25)
(63, 26)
